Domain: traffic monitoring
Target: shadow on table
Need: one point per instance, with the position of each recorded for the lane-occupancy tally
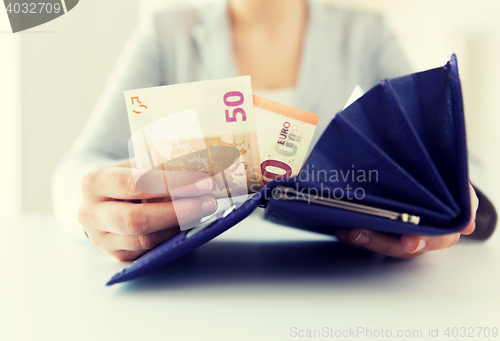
(246, 263)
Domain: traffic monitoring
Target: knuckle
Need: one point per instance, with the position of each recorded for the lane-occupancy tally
(86, 216)
(95, 240)
(88, 181)
(129, 185)
(146, 242)
(82, 216)
(133, 221)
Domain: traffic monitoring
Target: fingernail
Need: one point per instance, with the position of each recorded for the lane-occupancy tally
(362, 238)
(209, 206)
(420, 246)
(204, 185)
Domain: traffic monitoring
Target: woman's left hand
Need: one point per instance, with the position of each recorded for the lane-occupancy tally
(406, 246)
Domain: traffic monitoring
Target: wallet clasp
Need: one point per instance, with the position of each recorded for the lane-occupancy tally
(288, 193)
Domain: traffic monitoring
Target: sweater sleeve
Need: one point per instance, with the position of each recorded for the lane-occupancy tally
(390, 60)
(104, 138)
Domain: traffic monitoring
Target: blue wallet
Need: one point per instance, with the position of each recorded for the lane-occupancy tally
(393, 161)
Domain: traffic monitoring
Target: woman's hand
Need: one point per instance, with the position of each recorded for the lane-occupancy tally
(406, 246)
(118, 223)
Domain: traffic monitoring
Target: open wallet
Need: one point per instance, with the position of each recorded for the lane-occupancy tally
(393, 161)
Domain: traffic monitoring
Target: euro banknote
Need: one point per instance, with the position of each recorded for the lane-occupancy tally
(284, 134)
(206, 126)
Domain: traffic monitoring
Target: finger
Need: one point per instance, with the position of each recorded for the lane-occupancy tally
(126, 256)
(379, 242)
(117, 242)
(413, 243)
(474, 201)
(470, 227)
(343, 236)
(127, 184)
(102, 241)
(137, 219)
(172, 183)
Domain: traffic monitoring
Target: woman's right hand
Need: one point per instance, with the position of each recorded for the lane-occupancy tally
(118, 223)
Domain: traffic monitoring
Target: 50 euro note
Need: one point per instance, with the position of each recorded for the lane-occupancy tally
(206, 126)
(284, 134)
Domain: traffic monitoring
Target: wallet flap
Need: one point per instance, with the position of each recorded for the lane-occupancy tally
(187, 241)
(382, 120)
(432, 100)
(429, 104)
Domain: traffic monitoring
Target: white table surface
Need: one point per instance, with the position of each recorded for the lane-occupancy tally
(255, 282)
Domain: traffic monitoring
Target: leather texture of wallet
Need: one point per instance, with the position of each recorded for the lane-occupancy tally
(407, 133)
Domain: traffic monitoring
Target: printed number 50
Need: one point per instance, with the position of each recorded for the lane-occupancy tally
(229, 100)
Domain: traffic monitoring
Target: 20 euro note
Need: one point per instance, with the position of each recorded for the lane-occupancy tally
(284, 134)
(207, 126)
